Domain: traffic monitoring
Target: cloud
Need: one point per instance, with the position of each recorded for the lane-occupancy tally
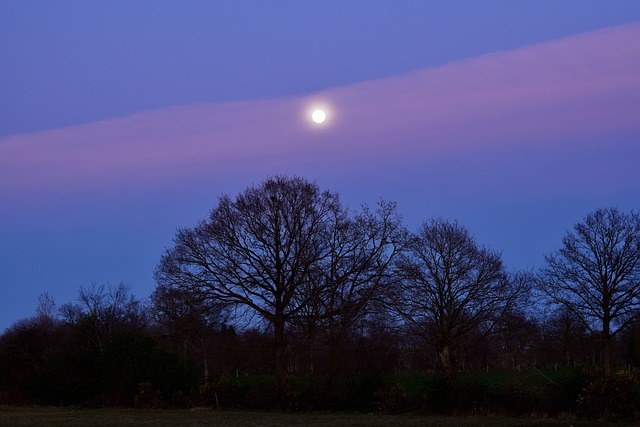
(577, 88)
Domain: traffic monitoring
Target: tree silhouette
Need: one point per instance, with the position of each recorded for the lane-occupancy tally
(256, 252)
(103, 310)
(452, 287)
(354, 276)
(286, 251)
(188, 318)
(596, 274)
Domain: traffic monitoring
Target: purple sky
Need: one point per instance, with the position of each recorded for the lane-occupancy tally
(122, 121)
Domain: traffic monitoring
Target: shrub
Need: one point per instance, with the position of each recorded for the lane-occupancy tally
(147, 397)
(616, 397)
(393, 399)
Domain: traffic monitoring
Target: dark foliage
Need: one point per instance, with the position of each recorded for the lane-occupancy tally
(47, 361)
(614, 397)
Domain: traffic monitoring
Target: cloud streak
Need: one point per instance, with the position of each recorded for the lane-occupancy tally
(575, 88)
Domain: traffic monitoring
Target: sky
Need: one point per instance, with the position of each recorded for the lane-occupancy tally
(122, 121)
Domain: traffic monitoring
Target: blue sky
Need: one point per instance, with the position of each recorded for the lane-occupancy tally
(121, 121)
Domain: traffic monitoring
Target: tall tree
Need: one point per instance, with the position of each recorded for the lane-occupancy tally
(257, 252)
(355, 275)
(596, 274)
(452, 286)
(281, 248)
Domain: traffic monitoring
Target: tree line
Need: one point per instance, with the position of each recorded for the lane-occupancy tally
(285, 280)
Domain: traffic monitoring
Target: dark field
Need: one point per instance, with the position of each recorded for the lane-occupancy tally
(51, 416)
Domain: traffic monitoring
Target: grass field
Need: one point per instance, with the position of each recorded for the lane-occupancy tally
(52, 416)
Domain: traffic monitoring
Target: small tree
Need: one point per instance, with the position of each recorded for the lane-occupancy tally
(568, 335)
(102, 311)
(452, 287)
(46, 309)
(188, 318)
(596, 274)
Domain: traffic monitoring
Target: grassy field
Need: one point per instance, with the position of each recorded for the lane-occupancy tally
(50, 416)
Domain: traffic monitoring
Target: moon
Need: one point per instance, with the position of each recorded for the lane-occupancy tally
(318, 116)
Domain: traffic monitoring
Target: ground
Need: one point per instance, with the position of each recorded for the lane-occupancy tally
(54, 416)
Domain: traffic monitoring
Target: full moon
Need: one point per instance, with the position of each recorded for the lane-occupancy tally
(318, 116)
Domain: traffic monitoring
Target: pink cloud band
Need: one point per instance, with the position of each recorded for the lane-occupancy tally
(582, 86)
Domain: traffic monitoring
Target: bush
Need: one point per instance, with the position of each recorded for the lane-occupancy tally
(393, 399)
(220, 390)
(147, 397)
(616, 397)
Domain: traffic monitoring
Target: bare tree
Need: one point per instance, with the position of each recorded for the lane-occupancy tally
(189, 318)
(103, 310)
(46, 309)
(565, 339)
(258, 251)
(514, 338)
(596, 274)
(354, 274)
(453, 287)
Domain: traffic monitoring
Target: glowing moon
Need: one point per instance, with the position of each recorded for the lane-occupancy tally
(318, 116)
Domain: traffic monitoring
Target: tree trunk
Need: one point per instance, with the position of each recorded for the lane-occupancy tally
(606, 354)
(279, 350)
(447, 361)
(606, 348)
